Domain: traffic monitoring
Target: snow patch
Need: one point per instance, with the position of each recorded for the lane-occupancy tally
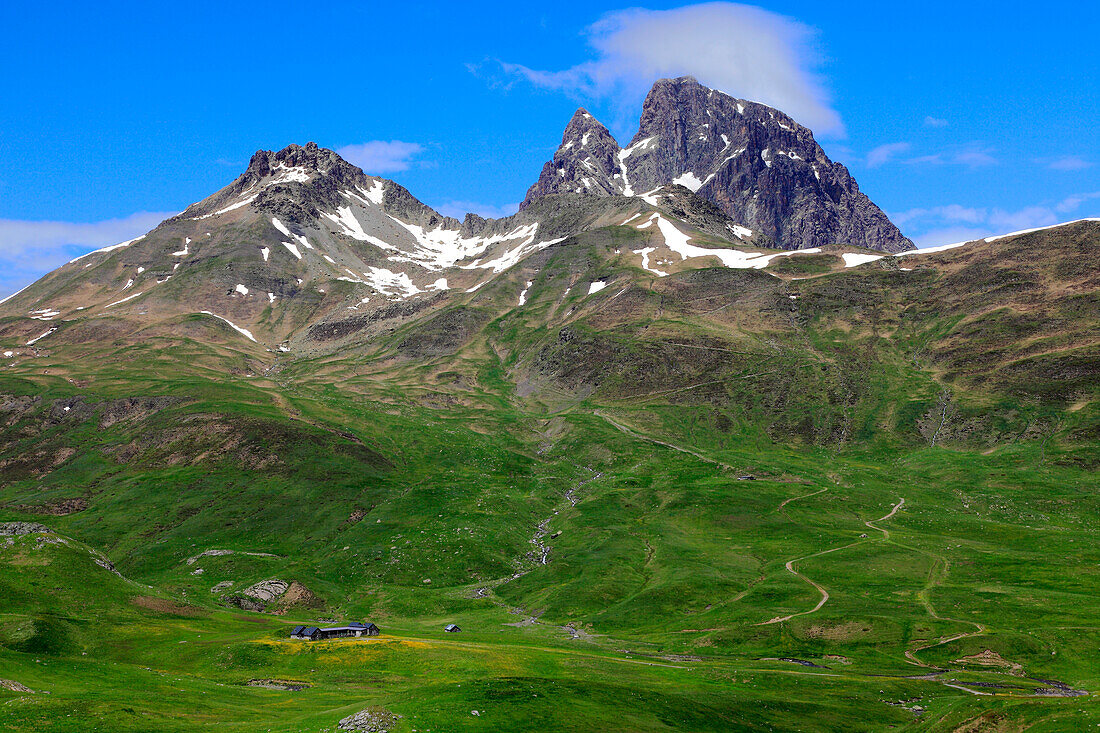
(523, 293)
(266, 252)
(293, 249)
(234, 326)
(376, 193)
(511, 257)
(688, 180)
(288, 174)
(739, 231)
(350, 226)
(852, 259)
(241, 289)
(287, 233)
(678, 242)
(645, 261)
(227, 209)
(36, 339)
(596, 286)
(118, 302)
(390, 283)
(111, 248)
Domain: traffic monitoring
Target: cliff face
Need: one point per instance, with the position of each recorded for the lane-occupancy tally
(757, 164)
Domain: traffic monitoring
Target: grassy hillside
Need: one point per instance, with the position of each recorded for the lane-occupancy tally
(916, 548)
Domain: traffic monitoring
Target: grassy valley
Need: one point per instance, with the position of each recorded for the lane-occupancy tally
(809, 497)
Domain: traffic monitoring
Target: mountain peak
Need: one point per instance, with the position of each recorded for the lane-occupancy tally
(303, 160)
(756, 163)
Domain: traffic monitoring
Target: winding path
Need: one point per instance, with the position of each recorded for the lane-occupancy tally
(820, 589)
(642, 436)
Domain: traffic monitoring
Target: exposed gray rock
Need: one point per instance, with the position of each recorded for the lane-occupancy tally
(373, 720)
(758, 165)
(586, 162)
(208, 553)
(266, 590)
(14, 686)
(256, 597)
(21, 528)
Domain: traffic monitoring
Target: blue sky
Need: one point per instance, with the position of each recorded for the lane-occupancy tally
(958, 119)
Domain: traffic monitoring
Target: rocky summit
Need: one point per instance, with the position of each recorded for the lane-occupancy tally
(756, 163)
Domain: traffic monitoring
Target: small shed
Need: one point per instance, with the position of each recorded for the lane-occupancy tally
(356, 628)
(451, 628)
(312, 633)
(364, 628)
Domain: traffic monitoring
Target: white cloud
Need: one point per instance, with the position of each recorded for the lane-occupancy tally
(955, 223)
(951, 212)
(30, 249)
(885, 153)
(1026, 218)
(381, 156)
(973, 155)
(1071, 203)
(931, 121)
(742, 50)
(459, 209)
(950, 235)
(1069, 163)
(974, 158)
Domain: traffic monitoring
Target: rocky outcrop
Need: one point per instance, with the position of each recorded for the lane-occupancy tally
(755, 163)
(372, 720)
(586, 162)
(257, 596)
(16, 529)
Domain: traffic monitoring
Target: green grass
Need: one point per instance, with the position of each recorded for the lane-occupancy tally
(622, 420)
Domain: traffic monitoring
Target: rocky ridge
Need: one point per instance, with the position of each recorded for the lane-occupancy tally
(754, 162)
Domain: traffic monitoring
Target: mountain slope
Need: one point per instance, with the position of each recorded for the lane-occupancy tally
(303, 241)
(553, 450)
(757, 164)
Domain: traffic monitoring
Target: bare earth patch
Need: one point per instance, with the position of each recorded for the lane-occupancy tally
(843, 632)
(160, 605)
(990, 658)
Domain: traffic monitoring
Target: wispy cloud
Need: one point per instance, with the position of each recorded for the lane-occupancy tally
(974, 158)
(742, 50)
(1072, 203)
(381, 156)
(973, 155)
(30, 249)
(459, 209)
(1069, 163)
(883, 154)
(955, 223)
(931, 121)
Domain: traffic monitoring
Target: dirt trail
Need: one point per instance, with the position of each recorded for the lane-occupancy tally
(785, 502)
(643, 436)
(820, 589)
(886, 533)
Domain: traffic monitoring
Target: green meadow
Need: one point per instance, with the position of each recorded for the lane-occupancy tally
(720, 501)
